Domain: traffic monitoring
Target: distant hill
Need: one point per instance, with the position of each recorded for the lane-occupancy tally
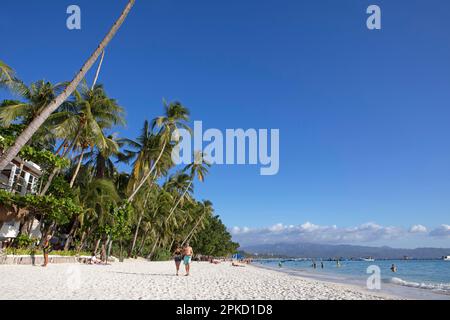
(310, 250)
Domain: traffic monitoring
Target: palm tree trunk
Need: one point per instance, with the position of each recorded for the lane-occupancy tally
(137, 227)
(193, 229)
(60, 147)
(179, 200)
(96, 246)
(141, 245)
(56, 170)
(49, 181)
(150, 255)
(108, 250)
(98, 70)
(71, 234)
(133, 244)
(83, 237)
(148, 174)
(75, 174)
(37, 122)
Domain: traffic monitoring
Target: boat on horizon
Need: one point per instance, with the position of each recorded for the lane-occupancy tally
(446, 258)
(369, 259)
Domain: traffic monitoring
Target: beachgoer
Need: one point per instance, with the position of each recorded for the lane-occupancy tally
(94, 260)
(46, 248)
(236, 264)
(177, 257)
(338, 264)
(394, 268)
(187, 257)
(280, 265)
(321, 264)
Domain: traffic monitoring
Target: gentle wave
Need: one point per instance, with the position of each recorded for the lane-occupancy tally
(441, 287)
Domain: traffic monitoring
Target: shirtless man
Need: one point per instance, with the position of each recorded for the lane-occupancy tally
(187, 252)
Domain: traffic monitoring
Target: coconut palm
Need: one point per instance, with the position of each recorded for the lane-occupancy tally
(35, 97)
(206, 209)
(39, 120)
(176, 116)
(6, 75)
(97, 197)
(86, 118)
(198, 169)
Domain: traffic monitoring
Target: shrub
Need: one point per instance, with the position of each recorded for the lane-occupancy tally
(162, 255)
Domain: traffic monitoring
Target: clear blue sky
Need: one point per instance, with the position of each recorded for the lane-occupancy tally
(363, 115)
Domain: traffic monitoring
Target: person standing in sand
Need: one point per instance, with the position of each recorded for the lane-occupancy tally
(46, 247)
(177, 257)
(187, 257)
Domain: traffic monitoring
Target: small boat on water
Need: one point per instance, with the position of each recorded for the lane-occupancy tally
(446, 258)
(369, 259)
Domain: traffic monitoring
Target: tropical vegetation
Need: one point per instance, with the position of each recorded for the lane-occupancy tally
(100, 192)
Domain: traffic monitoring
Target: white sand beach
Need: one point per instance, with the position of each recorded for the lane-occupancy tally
(139, 279)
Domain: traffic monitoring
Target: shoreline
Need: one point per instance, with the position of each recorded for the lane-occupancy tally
(143, 280)
(388, 290)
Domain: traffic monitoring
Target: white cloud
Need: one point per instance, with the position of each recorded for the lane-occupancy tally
(418, 228)
(312, 233)
(442, 231)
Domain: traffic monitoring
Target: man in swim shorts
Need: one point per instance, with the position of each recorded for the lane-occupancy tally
(187, 252)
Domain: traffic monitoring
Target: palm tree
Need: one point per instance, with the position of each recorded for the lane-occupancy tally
(97, 196)
(36, 96)
(103, 160)
(140, 204)
(175, 117)
(197, 168)
(85, 120)
(142, 153)
(207, 209)
(6, 75)
(37, 122)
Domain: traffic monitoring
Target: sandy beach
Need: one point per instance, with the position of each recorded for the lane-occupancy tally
(142, 280)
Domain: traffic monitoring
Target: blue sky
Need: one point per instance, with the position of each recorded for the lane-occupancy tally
(363, 115)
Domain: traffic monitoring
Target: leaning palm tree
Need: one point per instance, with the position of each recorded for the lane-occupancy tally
(206, 207)
(37, 122)
(176, 116)
(197, 168)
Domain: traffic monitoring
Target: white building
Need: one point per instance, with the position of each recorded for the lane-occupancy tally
(22, 177)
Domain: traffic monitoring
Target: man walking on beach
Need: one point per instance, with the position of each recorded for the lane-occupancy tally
(187, 252)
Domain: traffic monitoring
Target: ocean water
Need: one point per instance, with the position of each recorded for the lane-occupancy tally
(425, 278)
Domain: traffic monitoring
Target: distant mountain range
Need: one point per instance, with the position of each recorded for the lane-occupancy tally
(310, 250)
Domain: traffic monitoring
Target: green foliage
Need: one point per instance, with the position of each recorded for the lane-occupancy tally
(44, 158)
(23, 241)
(6, 198)
(162, 255)
(59, 210)
(214, 240)
(33, 251)
(60, 188)
(120, 227)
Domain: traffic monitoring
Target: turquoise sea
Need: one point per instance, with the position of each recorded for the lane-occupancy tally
(413, 279)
